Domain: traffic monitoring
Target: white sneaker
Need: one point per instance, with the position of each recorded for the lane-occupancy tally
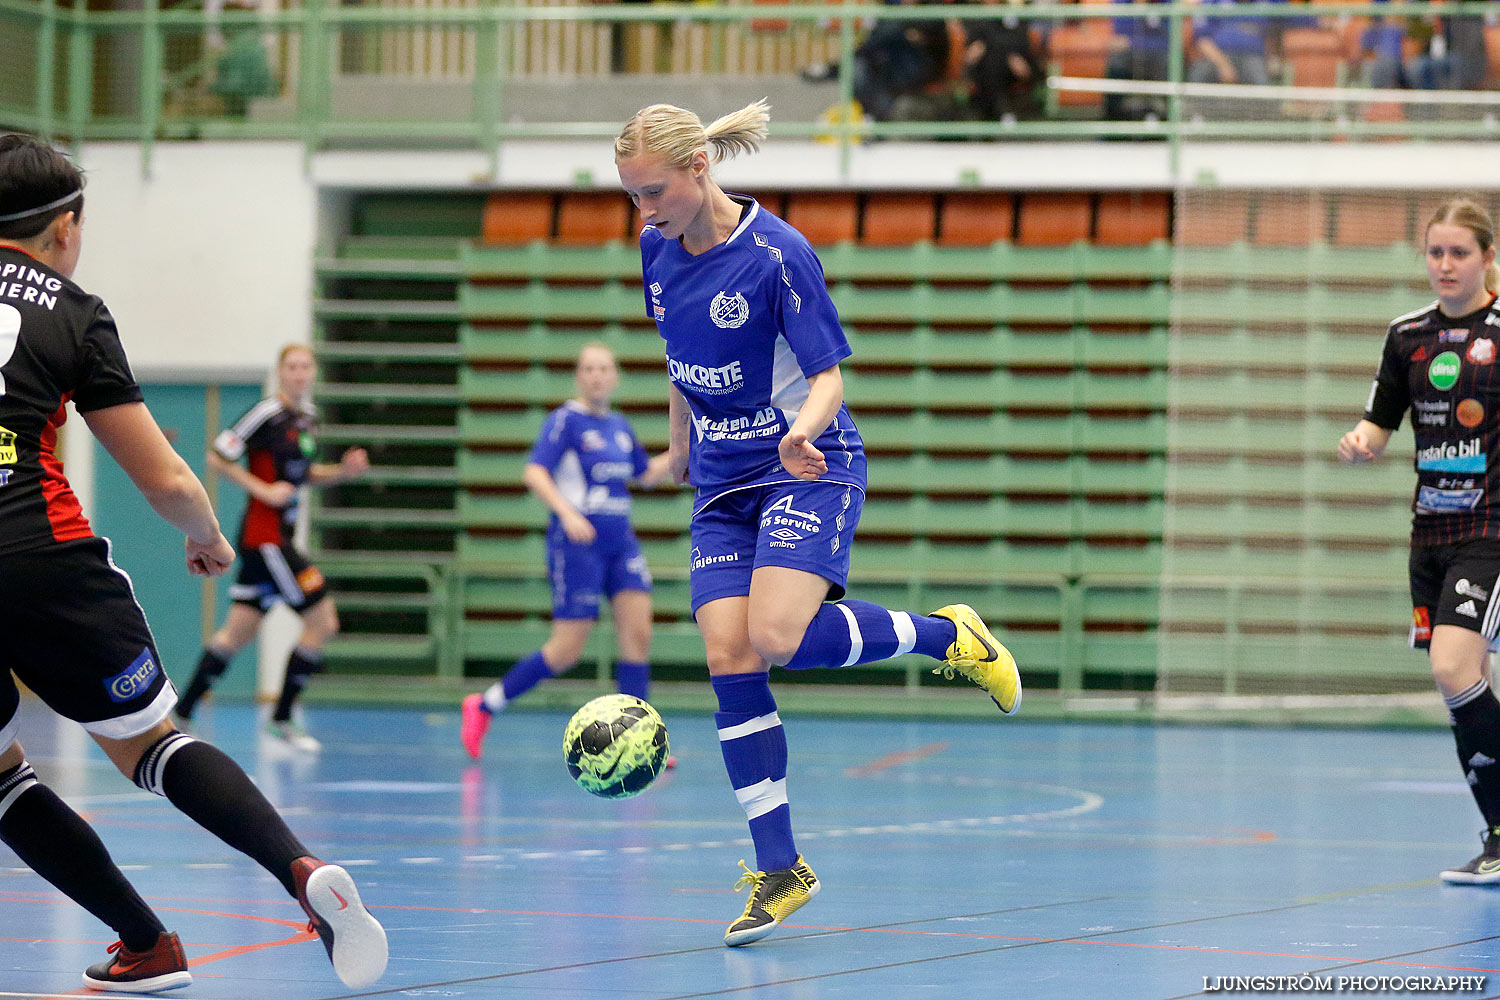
(293, 735)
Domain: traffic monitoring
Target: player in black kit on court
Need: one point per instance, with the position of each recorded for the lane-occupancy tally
(1439, 363)
(74, 632)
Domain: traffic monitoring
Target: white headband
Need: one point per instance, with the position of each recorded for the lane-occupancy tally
(44, 208)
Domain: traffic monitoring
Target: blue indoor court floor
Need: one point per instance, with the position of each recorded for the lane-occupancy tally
(958, 859)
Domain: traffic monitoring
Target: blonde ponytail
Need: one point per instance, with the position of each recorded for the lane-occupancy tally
(675, 134)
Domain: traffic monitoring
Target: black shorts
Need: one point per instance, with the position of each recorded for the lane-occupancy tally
(1455, 585)
(76, 636)
(272, 573)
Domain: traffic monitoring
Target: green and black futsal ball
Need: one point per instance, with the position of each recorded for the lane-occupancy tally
(615, 746)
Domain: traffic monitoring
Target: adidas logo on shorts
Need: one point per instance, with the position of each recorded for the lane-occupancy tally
(1467, 608)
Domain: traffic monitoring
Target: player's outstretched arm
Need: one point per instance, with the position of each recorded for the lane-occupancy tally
(825, 394)
(1365, 443)
(130, 434)
(679, 433)
(354, 463)
(579, 529)
(277, 494)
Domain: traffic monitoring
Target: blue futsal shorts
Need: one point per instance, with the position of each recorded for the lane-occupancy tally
(800, 525)
(583, 575)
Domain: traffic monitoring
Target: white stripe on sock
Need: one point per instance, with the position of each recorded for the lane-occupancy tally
(494, 697)
(906, 632)
(759, 724)
(856, 640)
(761, 797)
(1468, 694)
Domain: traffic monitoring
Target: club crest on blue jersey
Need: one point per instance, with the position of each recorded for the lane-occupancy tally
(729, 312)
(134, 679)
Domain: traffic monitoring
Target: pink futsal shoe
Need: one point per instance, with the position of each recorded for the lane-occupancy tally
(473, 725)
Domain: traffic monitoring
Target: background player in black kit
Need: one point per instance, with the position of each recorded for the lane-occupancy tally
(275, 439)
(74, 632)
(1440, 363)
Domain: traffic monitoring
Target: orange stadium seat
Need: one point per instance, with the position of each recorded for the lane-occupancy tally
(1293, 219)
(515, 217)
(1315, 56)
(587, 218)
(1213, 221)
(976, 218)
(1368, 220)
(1133, 218)
(1081, 50)
(824, 217)
(1053, 218)
(897, 219)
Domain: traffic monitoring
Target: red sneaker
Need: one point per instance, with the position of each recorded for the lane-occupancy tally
(164, 967)
(475, 723)
(354, 939)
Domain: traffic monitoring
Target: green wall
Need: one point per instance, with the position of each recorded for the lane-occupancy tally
(150, 549)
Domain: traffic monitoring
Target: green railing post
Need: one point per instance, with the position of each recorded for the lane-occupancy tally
(315, 73)
(1174, 102)
(46, 69)
(487, 83)
(150, 81)
(843, 125)
(80, 78)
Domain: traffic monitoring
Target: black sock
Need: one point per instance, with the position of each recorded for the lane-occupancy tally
(301, 665)
(204, 783)
(211, 665)
(57, 844)
(1476, 733)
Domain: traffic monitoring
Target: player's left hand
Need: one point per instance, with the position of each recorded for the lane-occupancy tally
(212, 559)
(355, 462)
(800, 458)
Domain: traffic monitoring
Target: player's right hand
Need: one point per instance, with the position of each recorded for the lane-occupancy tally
(678, 463)
(277, 494)
(1354, 448)
(579, 529)
(212, 559)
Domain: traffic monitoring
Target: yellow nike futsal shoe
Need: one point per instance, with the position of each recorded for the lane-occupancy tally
(1483, 870)
(978, 656)
(774, 896)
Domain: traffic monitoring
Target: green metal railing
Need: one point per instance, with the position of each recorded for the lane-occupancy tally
(81, 74)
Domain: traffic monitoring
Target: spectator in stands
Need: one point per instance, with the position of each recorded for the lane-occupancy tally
(1002, 68)
(1382, 52)
(243, 70)
(582, 467)
(898, 58)
(1438, 363)
(759, 426)
(1451, 55)
(1139, 50)
(275, 438)
(1231, 49)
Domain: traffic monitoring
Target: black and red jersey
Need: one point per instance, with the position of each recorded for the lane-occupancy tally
(278, 445)
(1444, 370)
(57, 343)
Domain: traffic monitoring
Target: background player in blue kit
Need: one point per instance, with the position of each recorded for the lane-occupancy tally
(582, 467)
(759, 427)
(1439, 363)
(74, 632)
(275, 440)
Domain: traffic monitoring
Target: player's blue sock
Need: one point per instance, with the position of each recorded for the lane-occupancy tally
(850, 632)
(633, 678)
(754, 748)
(525, 675)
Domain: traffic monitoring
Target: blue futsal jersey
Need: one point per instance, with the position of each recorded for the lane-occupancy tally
(591, 458)
(746, 323)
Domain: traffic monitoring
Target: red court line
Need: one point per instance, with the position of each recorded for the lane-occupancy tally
(895, 759)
